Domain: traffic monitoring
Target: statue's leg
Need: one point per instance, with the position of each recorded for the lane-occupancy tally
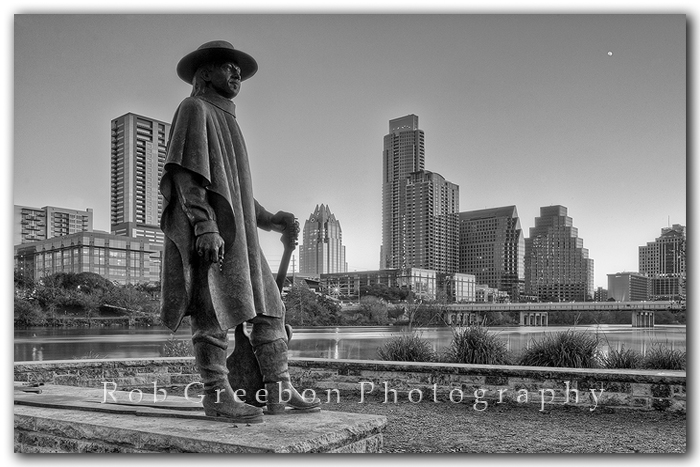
(210, 344)
(269, 340)
(244, 370)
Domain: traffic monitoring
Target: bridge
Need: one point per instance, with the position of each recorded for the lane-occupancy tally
(536, 314)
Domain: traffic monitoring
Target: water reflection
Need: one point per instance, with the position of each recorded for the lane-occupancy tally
(38, 355)
(323, 342)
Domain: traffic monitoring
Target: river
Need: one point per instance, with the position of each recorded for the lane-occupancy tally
(34, 344)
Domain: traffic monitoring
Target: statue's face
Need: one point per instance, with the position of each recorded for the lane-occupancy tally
(225, 79)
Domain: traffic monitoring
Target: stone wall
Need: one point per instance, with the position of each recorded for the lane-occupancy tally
(475, 384)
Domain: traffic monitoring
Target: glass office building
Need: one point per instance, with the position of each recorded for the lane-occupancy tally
(118, 259)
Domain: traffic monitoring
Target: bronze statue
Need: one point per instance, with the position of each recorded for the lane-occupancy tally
(213, 268)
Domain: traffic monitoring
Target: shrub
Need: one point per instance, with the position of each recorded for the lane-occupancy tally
(623, 358)
(91, 355)
(660, 357)
(568, 349)
(408, 348)
(474, 344)
(28, 313)
(177, 348)
(148, 319)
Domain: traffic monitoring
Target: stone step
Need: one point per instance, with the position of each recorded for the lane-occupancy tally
(75, 420)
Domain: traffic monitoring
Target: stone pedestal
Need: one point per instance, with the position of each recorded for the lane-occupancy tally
(62, 427)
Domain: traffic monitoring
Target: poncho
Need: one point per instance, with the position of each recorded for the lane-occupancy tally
(206, 140)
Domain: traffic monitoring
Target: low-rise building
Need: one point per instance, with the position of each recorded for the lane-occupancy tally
(628, 287)
(600, 295)
(120, 259)
(423, 283)
(458, 287)
(486, 294)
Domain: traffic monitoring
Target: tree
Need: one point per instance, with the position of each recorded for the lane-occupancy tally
(28, 313)
(330, 309)
(90, 282)
(23, 281)
(423, 314)
(150, 288)
(127, 297)
(306, 308)
(374, 309)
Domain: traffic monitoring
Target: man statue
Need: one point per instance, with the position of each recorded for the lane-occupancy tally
(213, 268)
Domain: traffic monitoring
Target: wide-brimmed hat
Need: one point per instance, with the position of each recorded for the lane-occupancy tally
(215, 51)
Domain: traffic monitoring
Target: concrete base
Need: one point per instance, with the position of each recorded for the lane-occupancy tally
(70, 430)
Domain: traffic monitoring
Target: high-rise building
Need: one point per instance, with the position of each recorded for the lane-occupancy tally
(557, 266)
(404, 153)
(492, 248)
(322, 250)
(138, 155)
(431, 219)
(37, 224)
(665, 255)
(663, 260)
(420, 227)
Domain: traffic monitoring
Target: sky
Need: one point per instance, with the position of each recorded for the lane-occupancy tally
(587, 111)
(522, 110)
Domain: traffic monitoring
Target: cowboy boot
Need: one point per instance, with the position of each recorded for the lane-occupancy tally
(219, 399)
(272, 358)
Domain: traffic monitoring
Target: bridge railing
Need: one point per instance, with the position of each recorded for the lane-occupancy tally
(562, 306)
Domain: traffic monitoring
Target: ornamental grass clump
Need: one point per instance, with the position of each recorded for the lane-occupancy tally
(475, 345)
(622, 358)
(660, 357)
(407, 348)
(568, 349)
(177, 348)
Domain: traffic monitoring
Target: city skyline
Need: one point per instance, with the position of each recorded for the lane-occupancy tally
(524, 110)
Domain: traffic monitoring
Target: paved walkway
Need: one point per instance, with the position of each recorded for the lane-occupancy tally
(521, 428)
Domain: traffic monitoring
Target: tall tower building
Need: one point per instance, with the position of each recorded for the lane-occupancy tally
(492, 248)
(37, 224)
(557, 267)
(420, 226)
(138, 155)
(665, 255)
(431, 238)
(322, 251)
(664, 261)
(404, 153)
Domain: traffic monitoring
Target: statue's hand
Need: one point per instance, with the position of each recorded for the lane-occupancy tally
(286, 223)
(281, 221)
(210, 246)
